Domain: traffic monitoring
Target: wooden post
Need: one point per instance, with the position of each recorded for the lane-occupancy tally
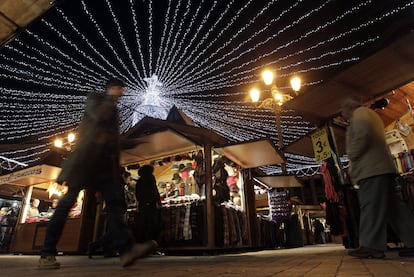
(278, 110)
(211, 240)
(26, 204)
(250, 199)
(313, 191)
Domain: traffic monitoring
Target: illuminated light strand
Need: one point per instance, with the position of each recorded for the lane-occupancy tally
(37, 131)
(150, 37)
(223, 57)
(20, 158)
(137, 36)
(33, 59)
(62, 64)
(311, 59)
(184, 52)
(185, 64)
(47, 73)
(74, 46)
(86, 40)
(43, 80)
(197, 74)
(27, 158)
(9, 164)
(102, 35)
(223, 119)
(200, 27)
(306, 35)
(167, 47)
(201, 93)
(164, 33)
(68, 58)
(124, 43)
(352, 30)
(260, 129)
(189, 93)
(170, 58)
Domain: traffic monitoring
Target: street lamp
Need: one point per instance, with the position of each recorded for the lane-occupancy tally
(275, 102)
(66, 143)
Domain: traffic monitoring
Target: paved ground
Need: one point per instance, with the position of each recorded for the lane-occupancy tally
(316, 261)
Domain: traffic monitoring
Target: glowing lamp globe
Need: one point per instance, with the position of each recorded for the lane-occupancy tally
(268, 76)
(255, 95)
(295, 82)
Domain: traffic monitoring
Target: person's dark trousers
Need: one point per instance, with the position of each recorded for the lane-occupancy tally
(381, 204)
(121, 236)
(149, 224)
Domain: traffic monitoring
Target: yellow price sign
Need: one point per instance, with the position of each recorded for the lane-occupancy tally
(321, 145)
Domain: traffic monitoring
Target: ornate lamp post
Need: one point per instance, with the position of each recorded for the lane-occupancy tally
(275, 102)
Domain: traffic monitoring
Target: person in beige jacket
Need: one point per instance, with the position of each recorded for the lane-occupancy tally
(372, 169)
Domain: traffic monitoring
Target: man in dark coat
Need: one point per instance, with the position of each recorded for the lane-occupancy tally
(373, 169)
(94, 165)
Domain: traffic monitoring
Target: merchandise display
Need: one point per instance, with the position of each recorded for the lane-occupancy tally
(279, 205)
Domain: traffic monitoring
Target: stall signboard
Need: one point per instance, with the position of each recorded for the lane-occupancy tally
(321, 146)
(37, 170)
(31, 176)
(279, 207)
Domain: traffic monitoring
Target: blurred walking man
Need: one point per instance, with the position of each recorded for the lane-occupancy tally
(94, 165)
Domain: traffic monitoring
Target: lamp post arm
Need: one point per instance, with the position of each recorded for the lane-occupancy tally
(277, 110)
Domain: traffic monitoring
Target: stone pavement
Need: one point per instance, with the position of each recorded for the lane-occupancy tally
(316, 261)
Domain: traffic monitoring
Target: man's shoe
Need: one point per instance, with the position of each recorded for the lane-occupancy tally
(48, 262)
(366, 253)
(406, 252)
(158, 254)
(139, 250)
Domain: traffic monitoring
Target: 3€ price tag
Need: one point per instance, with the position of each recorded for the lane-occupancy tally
(321, 145)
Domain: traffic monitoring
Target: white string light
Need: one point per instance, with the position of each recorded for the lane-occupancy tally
(206, 55)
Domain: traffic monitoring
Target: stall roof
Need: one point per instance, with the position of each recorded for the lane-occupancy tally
(197, 135)
(15, 15)
(31, 176)
(379, 74)
(252, 154)
(157, 138)
(279, 181)
(162, 143)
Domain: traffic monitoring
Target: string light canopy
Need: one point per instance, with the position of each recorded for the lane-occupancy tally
(201, 56)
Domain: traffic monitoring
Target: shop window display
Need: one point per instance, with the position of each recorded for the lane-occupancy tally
(181, 185)
(43, 203)
(9, 210)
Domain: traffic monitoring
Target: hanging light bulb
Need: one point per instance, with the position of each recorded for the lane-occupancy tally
(58, 143)
(295, 82)
(268, 76)
(71, 137)
(255, 95)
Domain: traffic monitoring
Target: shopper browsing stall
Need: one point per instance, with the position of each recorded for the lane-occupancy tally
(372, 168)
(149, 204)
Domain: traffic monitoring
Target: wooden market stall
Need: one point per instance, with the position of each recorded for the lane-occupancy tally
(38, 183)
(174, 148)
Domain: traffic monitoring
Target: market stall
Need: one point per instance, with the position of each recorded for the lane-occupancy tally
(277, 213)
(212, 184)
(39, 198)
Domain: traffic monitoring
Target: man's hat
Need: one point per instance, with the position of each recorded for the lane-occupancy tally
(176, 176)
